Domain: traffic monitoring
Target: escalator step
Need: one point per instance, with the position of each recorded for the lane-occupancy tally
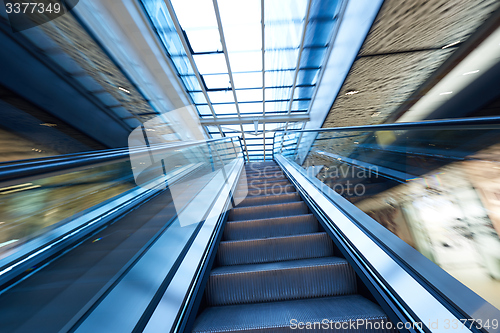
(263, 250)
(262, 178)
(265, 190)
(328, 276)
(276, 317)
(274, 227)
(269, 199)
(264, 175)
(264, 184)
(267, 211)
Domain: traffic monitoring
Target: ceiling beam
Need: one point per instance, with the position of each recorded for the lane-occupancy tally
(182, 37)
(250, 120)
(228, 64)
(263, 32)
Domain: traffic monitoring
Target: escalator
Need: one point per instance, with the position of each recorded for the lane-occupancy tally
(276, 269)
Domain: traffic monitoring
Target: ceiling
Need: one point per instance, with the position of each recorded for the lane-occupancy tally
(250, 67)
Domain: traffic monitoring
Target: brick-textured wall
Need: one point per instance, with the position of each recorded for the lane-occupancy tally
(385, 80)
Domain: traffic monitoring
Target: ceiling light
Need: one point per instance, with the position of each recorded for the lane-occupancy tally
(123, 89)
(352, 92)
(450, 45)
(471, 72)
(446, 93)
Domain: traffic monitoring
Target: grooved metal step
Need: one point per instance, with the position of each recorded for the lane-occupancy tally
(273, 227)
(274, 266)
(266, 190)
(277, 317)
(271, 173)
(269, 199)
(251, 185)
(277, 281)
(267, 211)
(263, 250)
(263, 178)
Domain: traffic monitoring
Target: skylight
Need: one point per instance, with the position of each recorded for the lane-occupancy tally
(210, 41)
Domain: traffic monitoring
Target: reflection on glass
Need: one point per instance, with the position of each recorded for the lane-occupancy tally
(439, 191)
(30, 209)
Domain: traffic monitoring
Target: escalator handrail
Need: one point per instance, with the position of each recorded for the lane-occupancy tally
(449, 294)
(14, 172)
(444, 124)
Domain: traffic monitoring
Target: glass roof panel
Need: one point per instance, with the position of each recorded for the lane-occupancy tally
(242, 33)
(300, 105)
(277, 93)
(303, 92)
(219, 81)
(221, 96)
(279, 78)
(276, 106)
(239, 12)
(201, 18)
(191, 82)
(283, 35)
(250, 108)
(247, 80)
(246, 61)
(307, 77)
(243, 38)
(312, 57)
(249, 95)
(211, 63)
(206, 40)
(279, 59)
(204, 110)
(221, 109)
(183, 65)
(197, 97)
(284, 10)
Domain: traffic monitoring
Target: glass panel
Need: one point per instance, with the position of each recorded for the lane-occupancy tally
(204, 110)
(279, 78)
(217, 81)
(201, 18)
(319, 35)
(250, 108)
(243, 37)
(281, 59)
(276, 106)
(307, 77)
(183, 65)
(283, 35)
(224, 108)
(221, 96)
(249, 95)
(198, 97)
(206, 40)
(434, 189)
(245, 61)
(247, 80)
(191, 82)
(277, 93)
(235, 13)
(312, 57)
(300, 105)
(31, 209)
(211, 63)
